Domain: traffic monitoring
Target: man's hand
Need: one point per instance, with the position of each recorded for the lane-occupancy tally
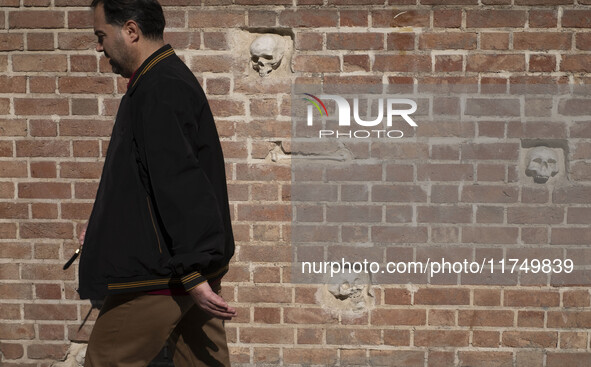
(211, 303)
(82, 234)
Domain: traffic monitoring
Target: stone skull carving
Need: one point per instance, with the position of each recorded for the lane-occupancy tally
(351, 289)
(266, 53)
(542, 164)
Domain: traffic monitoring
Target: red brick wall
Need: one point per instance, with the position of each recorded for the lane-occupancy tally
(57, 104)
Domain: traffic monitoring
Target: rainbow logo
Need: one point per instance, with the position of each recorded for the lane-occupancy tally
(316, 104)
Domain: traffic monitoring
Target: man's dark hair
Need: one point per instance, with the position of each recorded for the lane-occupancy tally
(146, 13)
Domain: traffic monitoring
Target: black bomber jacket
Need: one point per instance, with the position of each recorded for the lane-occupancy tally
(161, 217)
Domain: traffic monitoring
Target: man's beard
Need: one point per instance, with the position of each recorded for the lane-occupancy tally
(117, 69)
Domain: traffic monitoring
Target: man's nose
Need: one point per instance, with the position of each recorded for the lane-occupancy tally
(99, 47)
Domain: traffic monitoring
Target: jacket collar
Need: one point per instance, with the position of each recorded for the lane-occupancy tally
(161, 54)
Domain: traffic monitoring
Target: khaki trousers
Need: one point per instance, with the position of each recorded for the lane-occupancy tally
(131, 329)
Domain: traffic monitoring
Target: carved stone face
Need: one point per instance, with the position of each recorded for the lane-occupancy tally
(542, 164)
(266, 53)
(347, 288)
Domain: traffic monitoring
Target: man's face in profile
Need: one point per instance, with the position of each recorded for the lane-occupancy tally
(111, 42)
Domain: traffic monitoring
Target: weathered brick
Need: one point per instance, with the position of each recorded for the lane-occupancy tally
(574, 340)
(266, 335)
(17, 331)
(6, 190)
(344, 336)
(498, 318)
(47, 351)
(449, 2)
(400, 18)
(89, 85)
(42, 148)
(43, 169)
(261, 172)
(530, 339)
(535, 215)
(576, 298)
(80, 169)
(353, 18)
(444, 214)
(542, 18)
(442, 296)
(80, 19)
(40, 84)
(448, 63)
(316, 63)
(44, 190)
(297, 315)
(38, 3)
(579, 18)
(310, 356)
(489, 194)
(575, 63)
(40, 41)
(10, 311)
(183, 40)
(36, 19)
(401, 41)
(569, 319)
(398, 234)
(529, 319)
(438, 338)
(495, 18)
(264, 294)
(396, 358)
(445, 172)
(445, 41)
(398, 193)
(11, 41)
(11, 350)
(40, 62)
(309, 18)
(50, 230)
(531, 298)
(541, 41)
(492, 63)
(543, 2)
(41, 106)
(261, 18)
(354, 41)
(494, 41)
(215, 40)
(542, 63)
(570, 236)
(76, 41)
(572, 194)
(357, 213)
(490, 235)
(51, 332)
(215, 18)
(487, 297)
(402, 63)
(13, 169)
(50, 312)
(83, 63)
(398, 317)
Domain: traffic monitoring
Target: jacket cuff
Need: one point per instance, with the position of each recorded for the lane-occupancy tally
(195, 278)
(192, 280)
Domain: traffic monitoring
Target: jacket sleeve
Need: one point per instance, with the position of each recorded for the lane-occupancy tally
(183, 194)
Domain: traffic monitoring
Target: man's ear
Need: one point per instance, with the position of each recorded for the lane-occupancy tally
(131, 31)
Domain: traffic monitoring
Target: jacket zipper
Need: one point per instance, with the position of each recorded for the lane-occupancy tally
(154, 224)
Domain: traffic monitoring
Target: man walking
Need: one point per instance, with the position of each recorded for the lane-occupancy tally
(159, 237)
